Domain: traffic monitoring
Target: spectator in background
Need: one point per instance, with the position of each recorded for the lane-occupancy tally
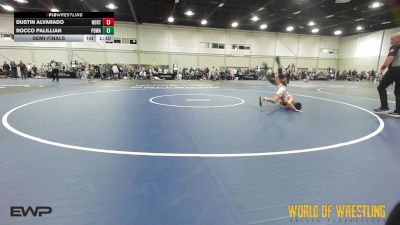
(102, 71)
(34, 71)
(14, 70)
(54, 70)
(125, 72)
(91, 73)
(353, 75)
(348, 77)
(119, 72)
(6, 69)
(96, 71)
(373, 75)
(23, 69)
(115, 72)
(143, 74)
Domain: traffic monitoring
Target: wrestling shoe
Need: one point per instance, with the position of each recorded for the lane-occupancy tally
(381, 110)
(395, 113)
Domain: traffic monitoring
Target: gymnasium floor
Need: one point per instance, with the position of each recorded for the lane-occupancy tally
(191, 152)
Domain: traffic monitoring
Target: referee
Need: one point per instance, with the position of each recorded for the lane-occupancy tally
(392, 62)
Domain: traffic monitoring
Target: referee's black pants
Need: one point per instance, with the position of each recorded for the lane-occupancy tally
(394, 218)
(390, 77)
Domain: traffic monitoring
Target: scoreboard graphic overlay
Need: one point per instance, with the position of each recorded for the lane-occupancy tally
(64, 27)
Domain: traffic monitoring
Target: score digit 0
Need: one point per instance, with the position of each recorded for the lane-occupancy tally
(108, 21)
(108, 30)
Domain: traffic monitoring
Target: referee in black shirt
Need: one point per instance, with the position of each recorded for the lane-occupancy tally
(392, 62)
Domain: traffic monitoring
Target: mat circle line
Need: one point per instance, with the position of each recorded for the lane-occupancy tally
(241, 101)
(7, 125)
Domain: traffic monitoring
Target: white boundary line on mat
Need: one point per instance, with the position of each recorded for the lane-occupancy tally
(204, 155)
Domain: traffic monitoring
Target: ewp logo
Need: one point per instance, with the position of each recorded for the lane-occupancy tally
(19, 211)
